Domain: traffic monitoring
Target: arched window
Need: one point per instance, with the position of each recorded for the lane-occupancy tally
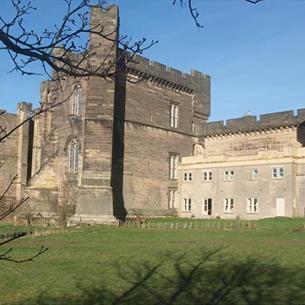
(77, 99)
(73, 156)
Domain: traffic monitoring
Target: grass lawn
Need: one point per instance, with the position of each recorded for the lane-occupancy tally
(110, 257)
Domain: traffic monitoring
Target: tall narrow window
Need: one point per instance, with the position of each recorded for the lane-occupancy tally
(172, 199)
(73, 156)
(187, 206)
(228, 205)
(252, 205)
(173, 120)
(173, 166)
(77, 100)
(193, 127)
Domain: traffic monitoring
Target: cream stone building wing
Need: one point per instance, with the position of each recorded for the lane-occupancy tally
(247, 168)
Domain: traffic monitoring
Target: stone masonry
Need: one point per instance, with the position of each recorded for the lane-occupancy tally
(140, 145)
(123, 135)
(247, 168)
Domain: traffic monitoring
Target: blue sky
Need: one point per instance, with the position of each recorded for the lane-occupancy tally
(254, 53)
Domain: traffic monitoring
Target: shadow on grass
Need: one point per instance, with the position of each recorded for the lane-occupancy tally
(211, 279)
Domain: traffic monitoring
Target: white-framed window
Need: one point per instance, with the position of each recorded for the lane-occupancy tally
(207, 175)
(172, 198)
(173, 165)
(77, 99)
(277, 172)
(73, 156)
(173, 117)
(252, 205)
(255, 173)
(228, 175)
(228, 205)
(187, 205)
(187, 176)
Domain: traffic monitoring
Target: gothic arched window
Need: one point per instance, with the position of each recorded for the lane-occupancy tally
(73, 156)
(77, 99)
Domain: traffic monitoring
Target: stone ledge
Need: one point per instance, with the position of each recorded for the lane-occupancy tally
(92, 220)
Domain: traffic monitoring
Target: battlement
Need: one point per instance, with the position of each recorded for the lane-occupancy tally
(193, 83)
(196, 83)
(252, 123)
(107, 17)
(163, 72)
(24, 106)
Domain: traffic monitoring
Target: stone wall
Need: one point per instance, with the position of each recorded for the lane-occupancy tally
(264, 188)
(148, 138)
(196, 83)
(146, 168)
(52, 132)
(95, 191)
(252, 142)
(88, 189)
(273, 141)
(8, 155)
(124, 134)
(250, 134)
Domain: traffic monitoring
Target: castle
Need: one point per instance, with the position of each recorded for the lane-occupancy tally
(120, 148)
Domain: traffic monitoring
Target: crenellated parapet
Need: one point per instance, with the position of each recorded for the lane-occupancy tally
(196, 83)
(251, 123)
(24, 107)
(157, 72)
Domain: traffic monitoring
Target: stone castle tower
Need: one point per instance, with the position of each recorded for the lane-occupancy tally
(113, 147)
(143, 147)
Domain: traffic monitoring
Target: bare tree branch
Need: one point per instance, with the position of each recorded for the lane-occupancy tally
(254, 1)
(12, 208)
(6, 257)
(62, 48)
(194, 11)
(44, 107)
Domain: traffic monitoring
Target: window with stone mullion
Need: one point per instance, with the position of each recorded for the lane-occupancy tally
(73, 156)
(77, 100)
(173, 166)
(174, 116)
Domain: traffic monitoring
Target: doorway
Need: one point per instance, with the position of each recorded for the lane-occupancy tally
(207, 207)
(280, 207)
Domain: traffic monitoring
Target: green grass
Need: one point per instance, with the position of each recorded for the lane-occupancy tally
(98, 256)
